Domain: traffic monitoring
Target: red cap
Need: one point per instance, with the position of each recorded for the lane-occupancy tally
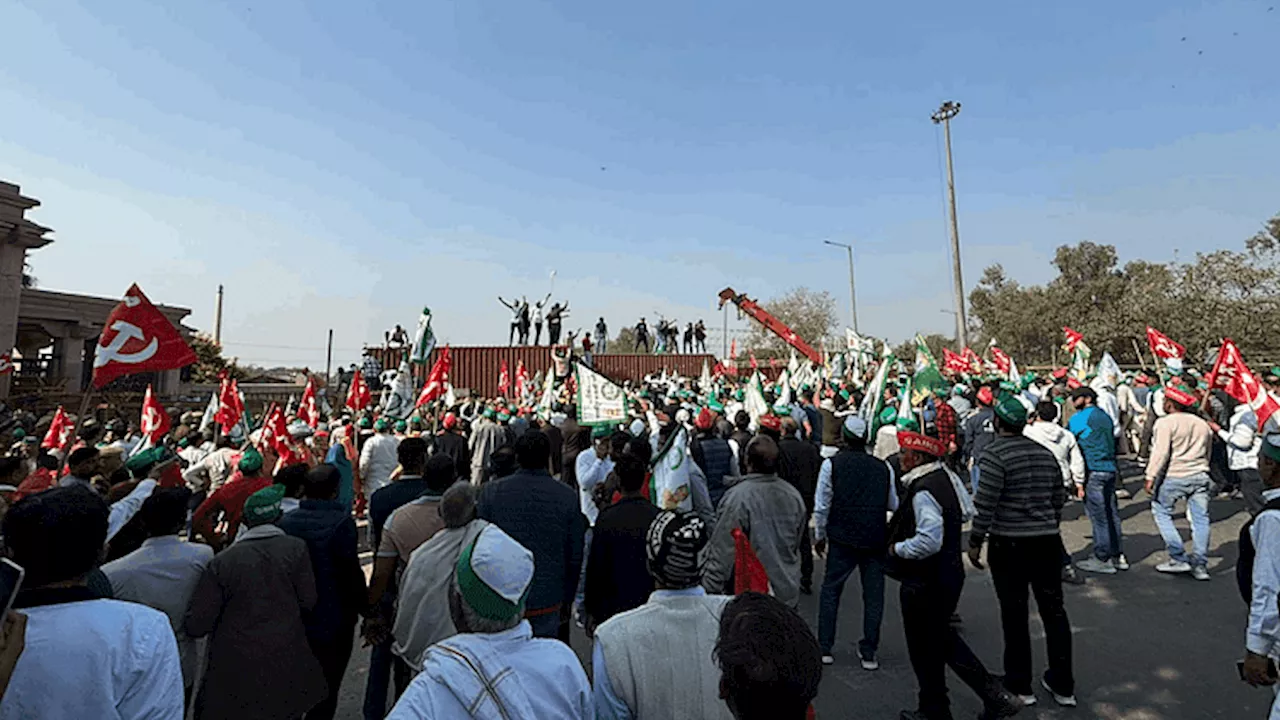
(1059, 373)
(1073, 383)
(772, 422)
(909, 440)
(450, 421)
(1179, 395)
(705, 419)
(985, 397)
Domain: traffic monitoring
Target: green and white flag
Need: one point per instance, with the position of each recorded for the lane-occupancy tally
(704, 380)
(873, 401)
(1109, 370)
(784, 388)
(401, 400)
(906, 418)
(927, 376)
(1080, 360)
(754, 402)
(793, 367)
(548, 396)
(600, 400)
(424, 341)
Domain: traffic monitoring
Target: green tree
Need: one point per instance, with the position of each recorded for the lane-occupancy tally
(811, 314)
(209, 361)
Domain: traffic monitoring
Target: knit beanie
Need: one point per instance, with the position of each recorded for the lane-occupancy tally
(676, 549)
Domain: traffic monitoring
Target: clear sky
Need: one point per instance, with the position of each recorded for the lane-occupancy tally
(341, 164)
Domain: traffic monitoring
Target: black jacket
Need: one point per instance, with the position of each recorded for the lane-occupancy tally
(455, 446)
(546, 517)
(330, 533)
(798, 464)
(617, 574)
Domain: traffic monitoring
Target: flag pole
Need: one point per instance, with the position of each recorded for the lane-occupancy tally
(75, 432)
(1141, 358)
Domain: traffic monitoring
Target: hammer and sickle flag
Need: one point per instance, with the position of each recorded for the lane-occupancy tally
(137, 338)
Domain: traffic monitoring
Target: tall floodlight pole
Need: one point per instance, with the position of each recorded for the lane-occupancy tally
(853, 294)
(944, 114)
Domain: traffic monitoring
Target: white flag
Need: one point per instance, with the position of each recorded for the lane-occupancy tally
(398, 403)
(600, 400)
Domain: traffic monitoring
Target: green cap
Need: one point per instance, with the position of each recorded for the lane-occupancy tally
(714, 404)
(490, 413)
(739, 395)
(494, 574)
(1010, 410)
(504, 416)
(888, 416)
(263, 506)
(18, 433)
(250, 461)
(602, 431)
(1271, 446)
(381, 425)
(365, 423)
(140, 463)
(401, 426)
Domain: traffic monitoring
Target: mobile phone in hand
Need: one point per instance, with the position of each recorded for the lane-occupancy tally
(11, 574)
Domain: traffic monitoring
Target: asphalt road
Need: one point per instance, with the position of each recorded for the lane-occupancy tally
(1147, 646)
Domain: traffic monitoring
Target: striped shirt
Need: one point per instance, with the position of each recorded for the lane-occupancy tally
(1020, 490)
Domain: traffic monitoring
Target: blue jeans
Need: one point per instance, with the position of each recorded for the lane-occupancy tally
(1104, 514)
(973, 477)
(842, 560)
(1195, 490)
(375, 689)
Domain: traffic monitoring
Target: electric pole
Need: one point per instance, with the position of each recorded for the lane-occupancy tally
(944, 114)
(853, 295)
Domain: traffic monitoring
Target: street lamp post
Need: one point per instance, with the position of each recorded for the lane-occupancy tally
(943, 116)
(853, 295)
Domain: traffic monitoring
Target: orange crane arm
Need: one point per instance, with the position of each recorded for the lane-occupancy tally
(773, 324)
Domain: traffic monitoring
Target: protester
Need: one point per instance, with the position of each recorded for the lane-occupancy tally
(738, 440)
(486, 437)
(330, 534)
(81, 657)
(768, 658)
(422, 608)
(616, 578)
(1018, 507)
(163, 572)
(771, 513)
(979, 430)
(714, 456)
(412, 520)
(1179, 469)
(1242, 440)
(924, 550)
(850, 532)
(496, 667)
(210, 473)
(798, 463)
(1093, 430)
(1043, 428)
(546, 517)
(227, 502)
(251, 599)
(378, 459)
(82, 466)
(655, 660)
(1259, 584)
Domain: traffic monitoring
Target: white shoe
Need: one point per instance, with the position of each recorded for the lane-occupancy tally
(1200, 572)
(870, 663)
(1062, 700)
(1121, 562)
(1094, 565)
(1027, 700)
(828, 660)
(1173, 566)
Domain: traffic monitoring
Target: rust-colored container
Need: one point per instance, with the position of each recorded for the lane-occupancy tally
(477, 368)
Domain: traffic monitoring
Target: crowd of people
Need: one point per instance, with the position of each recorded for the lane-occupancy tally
(217, 574)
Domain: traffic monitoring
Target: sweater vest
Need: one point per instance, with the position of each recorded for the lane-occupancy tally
(859, 500)
(715, 457)
(944, 565)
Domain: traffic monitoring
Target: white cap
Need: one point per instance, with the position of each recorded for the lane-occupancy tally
(855, 426)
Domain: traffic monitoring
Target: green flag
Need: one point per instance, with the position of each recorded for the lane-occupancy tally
(927, 376)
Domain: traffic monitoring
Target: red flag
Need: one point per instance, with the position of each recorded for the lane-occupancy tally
(155, 421)
(1073, 338)
(59, 433)
(504, 380)
(1000, 359)
(522, 379)
(975, 362)
(358, 395)
(230, 407)
(749, 574)
(954, 363)
(307, 411)
(6, 364)
(754, 365)
(1232, 375)
(137, 338)
(435, 385)
(1162, 347)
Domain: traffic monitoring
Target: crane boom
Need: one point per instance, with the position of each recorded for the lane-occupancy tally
(773, 324)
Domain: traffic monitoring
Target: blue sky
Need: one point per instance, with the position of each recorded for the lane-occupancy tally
(341, 164)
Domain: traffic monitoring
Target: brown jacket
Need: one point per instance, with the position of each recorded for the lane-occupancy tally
(251, 597)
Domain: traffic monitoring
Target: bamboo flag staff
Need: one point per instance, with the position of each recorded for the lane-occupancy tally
(136, 338)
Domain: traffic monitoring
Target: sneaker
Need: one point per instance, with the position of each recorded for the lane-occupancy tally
(1123, 494)
(1071, 576)
(1027, 700)
(1173, 566)
(1121, 562)
(869, 663)
(1200, 572)
(1062, 700)
(1094, 565)
(828, 660)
